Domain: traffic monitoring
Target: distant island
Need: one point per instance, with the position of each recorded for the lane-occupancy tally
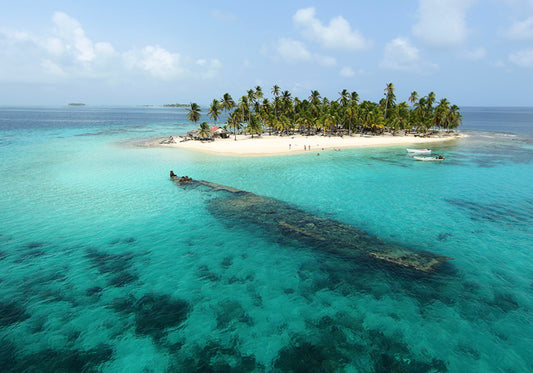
(175, 105)
(76, 104)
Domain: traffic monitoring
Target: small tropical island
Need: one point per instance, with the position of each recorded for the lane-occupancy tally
(255, 125)
(175, 105)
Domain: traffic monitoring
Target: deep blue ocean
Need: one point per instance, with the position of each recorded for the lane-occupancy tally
(107, 265)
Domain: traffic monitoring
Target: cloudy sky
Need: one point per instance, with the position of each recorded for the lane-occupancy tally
(473, 52)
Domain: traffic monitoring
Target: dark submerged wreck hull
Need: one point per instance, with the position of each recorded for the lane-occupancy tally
(282, 219)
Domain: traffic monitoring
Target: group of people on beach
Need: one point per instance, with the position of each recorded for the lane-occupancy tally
(306, 147)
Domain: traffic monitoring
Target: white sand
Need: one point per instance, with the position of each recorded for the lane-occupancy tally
(266, 145)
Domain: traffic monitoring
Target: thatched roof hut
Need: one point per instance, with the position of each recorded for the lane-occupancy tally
(193, 133)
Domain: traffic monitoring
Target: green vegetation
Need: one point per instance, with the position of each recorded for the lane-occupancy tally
(205, 131)
(346, 115)
(193, 112)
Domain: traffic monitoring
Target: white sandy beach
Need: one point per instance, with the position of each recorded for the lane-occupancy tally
(267, 145)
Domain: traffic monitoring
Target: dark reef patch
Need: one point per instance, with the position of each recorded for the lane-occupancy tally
(332, 343)
(307, 357)
(3, 255)
(51, 360)
(110, 263)
(216, 357)
(444, 236)
(227, 262)
(12, 312)
(127, 240)
(118, 266)
(206, 274)
(95, 290)
(31, 250)
(507, 213)
(231, 312)
(123, 279)
(154, 313)
(505, 302)
(34, 245)
(8, 356)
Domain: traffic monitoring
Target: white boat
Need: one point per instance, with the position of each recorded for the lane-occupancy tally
(429, 159)
(419, 151)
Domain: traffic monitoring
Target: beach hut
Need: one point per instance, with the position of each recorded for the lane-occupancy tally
(217, 131)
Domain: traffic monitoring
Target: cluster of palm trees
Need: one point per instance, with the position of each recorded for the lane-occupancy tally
(283, 114)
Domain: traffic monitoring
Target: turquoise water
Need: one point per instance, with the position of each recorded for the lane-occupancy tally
(107, 265)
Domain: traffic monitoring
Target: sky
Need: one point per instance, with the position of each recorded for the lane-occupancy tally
(472, 52)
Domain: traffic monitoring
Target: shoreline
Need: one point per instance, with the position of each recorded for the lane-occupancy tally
(273, 145)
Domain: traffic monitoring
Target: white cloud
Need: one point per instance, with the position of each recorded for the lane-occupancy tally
(474, 54)
(292, 50)
(400, 54)
(67, 53)
(160, 63)
(442, 23)
(521, 30)
(209, 69)
(338, 34)
(73, 36)
(523, 58)
(327, 61)
(347, 72)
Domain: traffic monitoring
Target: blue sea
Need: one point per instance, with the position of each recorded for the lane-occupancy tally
(107, 265)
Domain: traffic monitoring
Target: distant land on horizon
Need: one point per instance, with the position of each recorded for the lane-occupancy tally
(175, 105)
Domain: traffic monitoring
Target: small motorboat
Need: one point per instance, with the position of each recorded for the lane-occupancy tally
(429, 159)
(419, 151)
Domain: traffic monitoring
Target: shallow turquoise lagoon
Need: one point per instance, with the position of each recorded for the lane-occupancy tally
(107, 265)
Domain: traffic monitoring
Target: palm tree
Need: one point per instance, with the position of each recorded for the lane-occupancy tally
(344, 97)
(234, 119)
(442, 113)
(286, 102)
(351, 113)
(254, 126)
(228, 104)
(403, 115)
(214, 110)
(431, 100)
(314, 97)
(258, 93)
(275, 92)
(355, 97)
(390, 97)
(455, 117)
(244, 108)
(251, 96)
(414, 97)
(204, 130)
(193, 112)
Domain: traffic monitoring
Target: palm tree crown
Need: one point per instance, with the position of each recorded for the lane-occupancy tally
(193, 112)
(214, 110)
